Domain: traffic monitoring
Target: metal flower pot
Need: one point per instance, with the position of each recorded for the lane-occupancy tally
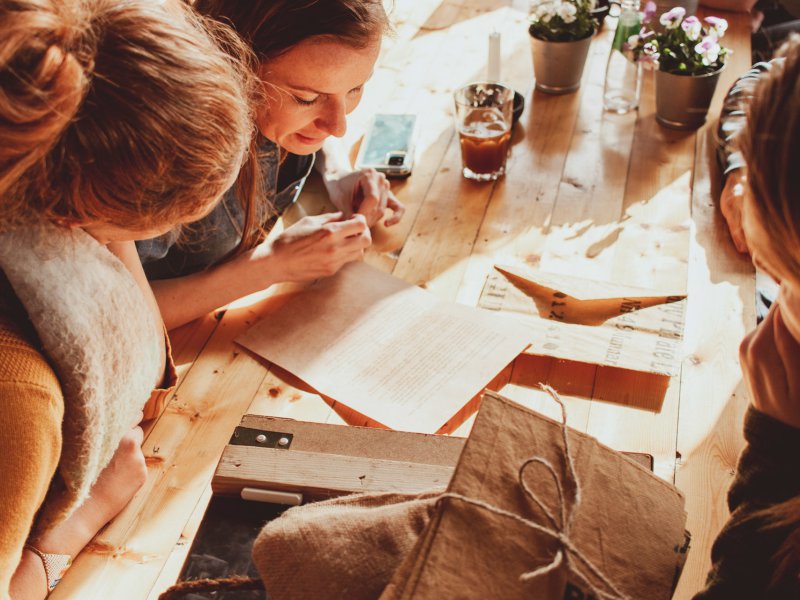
(682, 101)
(558, 66)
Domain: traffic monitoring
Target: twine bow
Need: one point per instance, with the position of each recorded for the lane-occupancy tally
(568, 554)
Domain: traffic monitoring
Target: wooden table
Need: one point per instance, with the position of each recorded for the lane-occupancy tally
(581, 188)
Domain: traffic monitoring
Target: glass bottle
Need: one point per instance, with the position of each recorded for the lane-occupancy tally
(623, 76)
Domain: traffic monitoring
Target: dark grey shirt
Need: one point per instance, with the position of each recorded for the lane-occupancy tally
(208, 241)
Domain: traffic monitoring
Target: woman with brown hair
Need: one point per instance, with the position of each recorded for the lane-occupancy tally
(757, 554)
(118, 120)
(313, 59)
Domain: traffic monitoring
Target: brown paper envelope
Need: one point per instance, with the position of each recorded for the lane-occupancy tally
(592, 322)
(629, 522)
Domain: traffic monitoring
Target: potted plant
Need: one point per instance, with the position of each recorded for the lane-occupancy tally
(688, 59)
(561, 32)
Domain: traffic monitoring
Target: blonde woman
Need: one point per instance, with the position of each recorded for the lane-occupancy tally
(118, 120)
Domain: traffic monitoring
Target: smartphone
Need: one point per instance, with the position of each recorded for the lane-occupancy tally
(388, 146)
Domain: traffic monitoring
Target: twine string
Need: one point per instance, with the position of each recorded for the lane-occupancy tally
(559, 531)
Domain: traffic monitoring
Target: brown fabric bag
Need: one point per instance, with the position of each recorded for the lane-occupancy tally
(347, 547)
(629, 523)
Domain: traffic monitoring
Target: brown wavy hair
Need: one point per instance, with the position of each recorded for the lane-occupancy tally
(770, 144)
(272, 27)
(117, 111)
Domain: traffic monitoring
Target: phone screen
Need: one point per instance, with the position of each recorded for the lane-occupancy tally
(389, 133)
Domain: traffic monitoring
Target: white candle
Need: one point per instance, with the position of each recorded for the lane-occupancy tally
(493, 64)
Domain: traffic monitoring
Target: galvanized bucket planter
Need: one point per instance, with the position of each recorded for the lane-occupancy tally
(682, 101)
(558, 66)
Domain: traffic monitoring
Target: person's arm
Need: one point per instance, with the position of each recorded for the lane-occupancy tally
(30, 447)
(112, 491)
(366, 192)
(731, 122)
(126, 253)
(314, 247)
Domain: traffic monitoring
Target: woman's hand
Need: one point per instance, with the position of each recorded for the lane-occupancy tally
(117, 484)
(314, 247)
(112, 491)
(770, 358)
(731, 201)
(366, 192)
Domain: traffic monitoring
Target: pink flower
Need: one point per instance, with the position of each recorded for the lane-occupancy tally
(708, 49)
(673, 18)
(649, 11)
(692, 27)
(718, 26)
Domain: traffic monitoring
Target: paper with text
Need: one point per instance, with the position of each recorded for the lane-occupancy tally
(385, 348)
(593, 322)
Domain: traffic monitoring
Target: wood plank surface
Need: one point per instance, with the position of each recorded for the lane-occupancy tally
(318, 475)
(610, 197)
(713, 394)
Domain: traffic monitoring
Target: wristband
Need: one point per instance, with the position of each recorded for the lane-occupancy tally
(55, 565)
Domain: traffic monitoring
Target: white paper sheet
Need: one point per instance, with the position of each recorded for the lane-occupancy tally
(387, 349)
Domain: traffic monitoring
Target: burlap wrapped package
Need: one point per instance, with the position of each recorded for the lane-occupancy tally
(538, 511)
(532, 511)
(347, 547)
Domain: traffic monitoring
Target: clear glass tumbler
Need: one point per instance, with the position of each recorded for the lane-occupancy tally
(483, 121)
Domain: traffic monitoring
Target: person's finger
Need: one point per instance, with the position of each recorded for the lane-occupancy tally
(138, 419)
(369, 206)
(361, 240)
(371, 184)
(386, 191)
(327, 217)
(398, 210)
(355, 225)
(137, 435)
(733, 218)
(739, 240)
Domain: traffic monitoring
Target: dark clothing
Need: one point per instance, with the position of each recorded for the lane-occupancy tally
(781, 19)
(208, 241)
(768, 473)
(733, 118)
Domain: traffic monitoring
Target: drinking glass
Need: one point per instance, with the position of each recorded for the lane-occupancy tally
(483, 121)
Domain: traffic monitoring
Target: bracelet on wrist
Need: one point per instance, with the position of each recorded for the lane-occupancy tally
(55, 565)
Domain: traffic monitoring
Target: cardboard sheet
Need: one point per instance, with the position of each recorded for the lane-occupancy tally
(591, 321)
(385, 348)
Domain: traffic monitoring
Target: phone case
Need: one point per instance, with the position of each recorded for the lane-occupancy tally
(388, 146)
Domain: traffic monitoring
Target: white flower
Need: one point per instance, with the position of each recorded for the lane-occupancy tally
(633, 41)
(545, 11)
(671, 19)
(567, 12)
(708, 49)
(692, 27)
(718, 26)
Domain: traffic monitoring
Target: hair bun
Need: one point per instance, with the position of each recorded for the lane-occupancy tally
(42, 80)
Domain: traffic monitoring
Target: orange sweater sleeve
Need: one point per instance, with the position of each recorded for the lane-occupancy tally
(31, 411)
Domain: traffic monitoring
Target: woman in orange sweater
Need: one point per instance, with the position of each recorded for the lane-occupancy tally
(118, 120)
